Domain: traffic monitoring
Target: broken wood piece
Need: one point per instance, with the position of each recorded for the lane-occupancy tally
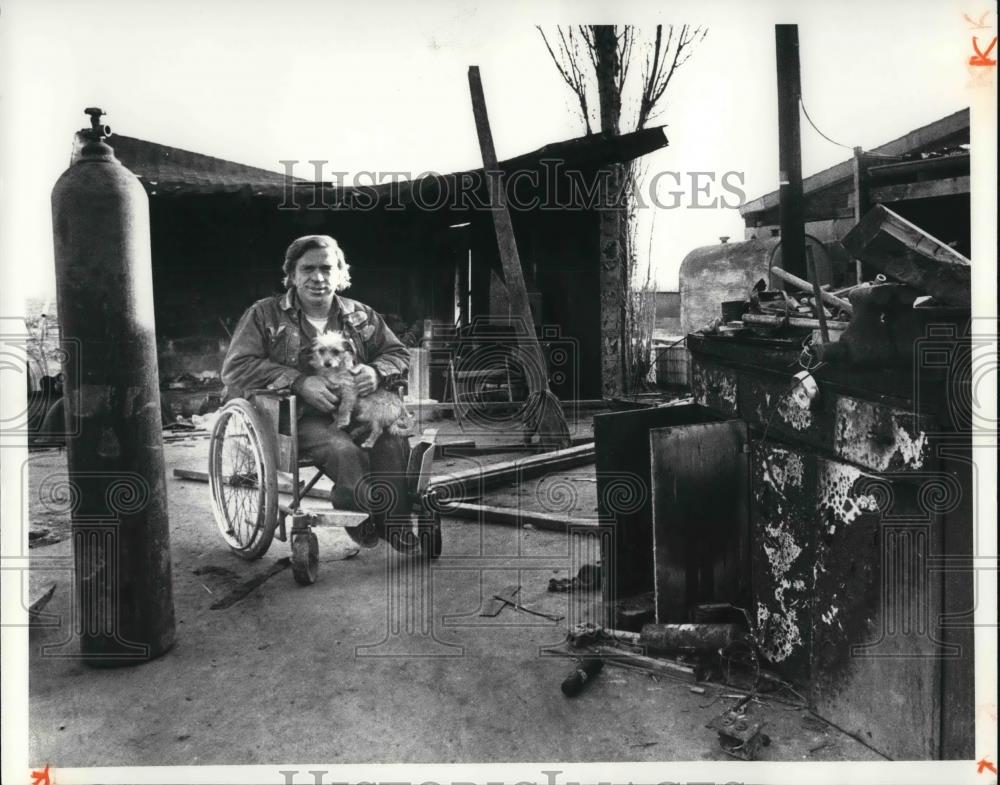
(887, 242)
(697, 690)
(507, 596)
(494, 605)
(243, 589)
(510, 516)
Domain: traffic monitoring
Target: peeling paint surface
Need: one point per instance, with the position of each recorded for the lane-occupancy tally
(781, 551)
(878, 437)
(781, 469)
(783, 521)
(794, 409)
(836, 493)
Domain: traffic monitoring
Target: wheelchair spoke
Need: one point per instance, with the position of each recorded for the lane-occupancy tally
(241, 490)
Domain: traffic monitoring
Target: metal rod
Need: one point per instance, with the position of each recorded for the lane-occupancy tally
(818, 294)
(827, 297)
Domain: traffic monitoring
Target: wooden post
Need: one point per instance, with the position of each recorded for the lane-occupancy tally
(861, 199)
(791, 206)
(544, 415)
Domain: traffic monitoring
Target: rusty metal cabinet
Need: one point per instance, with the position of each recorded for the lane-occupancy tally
(860, 533)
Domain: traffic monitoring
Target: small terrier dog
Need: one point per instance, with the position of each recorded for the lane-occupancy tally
(381, 409)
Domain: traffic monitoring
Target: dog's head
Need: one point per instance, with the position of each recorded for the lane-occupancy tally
(330, 351)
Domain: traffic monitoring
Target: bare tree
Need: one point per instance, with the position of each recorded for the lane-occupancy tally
(595, 61)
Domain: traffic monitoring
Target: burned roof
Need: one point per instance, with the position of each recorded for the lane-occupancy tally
(934, 151)
(171, 171)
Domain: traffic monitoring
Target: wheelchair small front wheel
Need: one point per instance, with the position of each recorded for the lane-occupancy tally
(243, 479)
(305, 558)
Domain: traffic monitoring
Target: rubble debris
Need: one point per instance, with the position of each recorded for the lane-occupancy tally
(581, 675)
(739, 730)
(587, 577)
(887, 242)
(508, 598)
(623, 657)
(493, 605)
(632, 612)
(582, 634)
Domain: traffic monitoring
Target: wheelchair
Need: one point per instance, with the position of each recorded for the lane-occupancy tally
(253, 456)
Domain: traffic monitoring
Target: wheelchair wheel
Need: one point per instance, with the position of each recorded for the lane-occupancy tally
(305, 558)
(243, 479)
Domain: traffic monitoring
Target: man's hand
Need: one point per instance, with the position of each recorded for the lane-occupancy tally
(314, 391)
(365, 379)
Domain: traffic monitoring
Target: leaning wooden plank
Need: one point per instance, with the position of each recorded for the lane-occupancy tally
(544, 417)
(477, 479)
(509, 516)
(890, 244)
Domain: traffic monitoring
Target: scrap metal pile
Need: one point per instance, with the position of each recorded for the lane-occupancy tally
(916, 280)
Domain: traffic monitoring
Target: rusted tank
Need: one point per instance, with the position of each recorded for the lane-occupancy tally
(713, 274)
(121, 545)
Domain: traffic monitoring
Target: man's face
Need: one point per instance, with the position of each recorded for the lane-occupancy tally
(316, 276)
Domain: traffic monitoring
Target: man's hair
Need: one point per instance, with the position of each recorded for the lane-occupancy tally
(301, 245)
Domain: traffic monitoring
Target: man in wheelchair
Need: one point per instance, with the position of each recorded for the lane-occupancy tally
(271, 348)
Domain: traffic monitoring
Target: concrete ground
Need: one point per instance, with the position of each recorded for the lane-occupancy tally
(345, 671)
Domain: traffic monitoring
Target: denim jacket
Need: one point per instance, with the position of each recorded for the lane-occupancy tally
(270, 345)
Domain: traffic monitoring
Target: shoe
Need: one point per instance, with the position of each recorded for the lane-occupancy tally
(403, 540)
(365, 535)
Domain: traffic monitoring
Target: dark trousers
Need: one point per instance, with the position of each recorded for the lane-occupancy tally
(372, 480)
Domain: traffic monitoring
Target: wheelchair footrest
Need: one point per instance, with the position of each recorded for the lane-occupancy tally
(325, 516)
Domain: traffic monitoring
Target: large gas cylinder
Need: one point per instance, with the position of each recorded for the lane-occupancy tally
(121, 543)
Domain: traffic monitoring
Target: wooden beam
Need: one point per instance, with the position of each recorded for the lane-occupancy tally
(624, 658)
(767, 320)
(474, 481)
(461, 449)
(926, 189)
(510, 516)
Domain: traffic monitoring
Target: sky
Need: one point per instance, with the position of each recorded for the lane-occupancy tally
(382, 85)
